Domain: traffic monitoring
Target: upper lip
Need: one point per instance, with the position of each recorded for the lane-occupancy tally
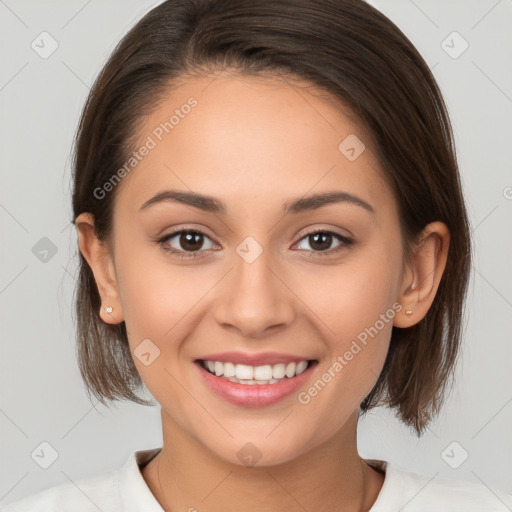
(260, 359)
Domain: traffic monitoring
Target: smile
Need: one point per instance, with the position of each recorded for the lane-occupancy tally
(245, 374)
(254, 386)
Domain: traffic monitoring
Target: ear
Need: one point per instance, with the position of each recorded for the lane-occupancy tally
(100, 260)
(423, 274)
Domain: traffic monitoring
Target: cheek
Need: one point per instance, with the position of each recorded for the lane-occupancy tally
(157, 301)
(157, 296)
(355, 304)
(159, 305)
(351, 296)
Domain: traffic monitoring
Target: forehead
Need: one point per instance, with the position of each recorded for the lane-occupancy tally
(257, 137)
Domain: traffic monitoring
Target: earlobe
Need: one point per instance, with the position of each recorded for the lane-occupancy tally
(423, 274)
(97, 255)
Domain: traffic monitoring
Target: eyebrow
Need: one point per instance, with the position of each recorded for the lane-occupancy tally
(213, 205)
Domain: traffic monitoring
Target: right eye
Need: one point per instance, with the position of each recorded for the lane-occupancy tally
(190, 240)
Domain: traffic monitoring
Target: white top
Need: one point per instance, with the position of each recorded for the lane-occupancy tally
(125, 490)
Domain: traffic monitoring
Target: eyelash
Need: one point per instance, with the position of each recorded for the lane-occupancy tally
(195, 254)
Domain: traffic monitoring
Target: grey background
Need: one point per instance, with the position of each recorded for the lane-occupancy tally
(42, 396)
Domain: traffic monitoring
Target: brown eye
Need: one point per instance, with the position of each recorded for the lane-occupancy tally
(190, 240)
(185, 241)
(321, 241)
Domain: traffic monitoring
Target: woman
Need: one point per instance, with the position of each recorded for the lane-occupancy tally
(273, 241)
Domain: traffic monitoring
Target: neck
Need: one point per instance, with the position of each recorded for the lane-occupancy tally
(186, 476)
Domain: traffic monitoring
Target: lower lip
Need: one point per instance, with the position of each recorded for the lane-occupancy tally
(256, 395)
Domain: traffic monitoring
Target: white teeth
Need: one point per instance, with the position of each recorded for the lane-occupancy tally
(251, 382)
(290, 370)
(263, 372)
(278, 371)
(219, 368)
(243, 371)
(301, 367)
(229, 370)
(256, 374)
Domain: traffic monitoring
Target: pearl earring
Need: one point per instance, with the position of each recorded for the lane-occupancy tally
(109, 309)
(409, 312)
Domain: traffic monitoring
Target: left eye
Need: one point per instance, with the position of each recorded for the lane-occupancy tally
(320, 241)
(190, 241)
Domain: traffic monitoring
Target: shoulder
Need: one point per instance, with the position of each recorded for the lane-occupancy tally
(90, 494)
(458, 495)
(119, 489)
(414, 492)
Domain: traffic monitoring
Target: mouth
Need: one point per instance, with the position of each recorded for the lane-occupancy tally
(260, 375)
(254, 386)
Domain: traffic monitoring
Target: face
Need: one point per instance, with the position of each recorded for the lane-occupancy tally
(317, 281)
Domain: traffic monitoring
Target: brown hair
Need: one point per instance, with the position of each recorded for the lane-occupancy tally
(356, 55)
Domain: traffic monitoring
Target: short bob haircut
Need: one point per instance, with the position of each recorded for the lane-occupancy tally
(362, 61)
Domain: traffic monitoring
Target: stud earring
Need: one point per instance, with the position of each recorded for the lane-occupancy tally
(109, 309)
(409, 312)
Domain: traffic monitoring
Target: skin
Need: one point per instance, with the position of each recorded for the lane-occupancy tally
(255, 143)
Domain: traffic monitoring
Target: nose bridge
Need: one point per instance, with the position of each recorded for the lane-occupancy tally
(254, 299)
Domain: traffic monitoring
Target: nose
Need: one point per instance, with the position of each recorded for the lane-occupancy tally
(255, 299)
